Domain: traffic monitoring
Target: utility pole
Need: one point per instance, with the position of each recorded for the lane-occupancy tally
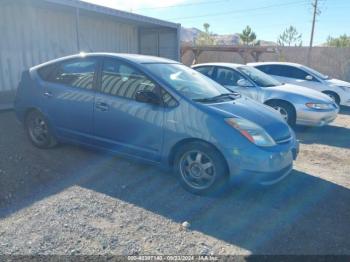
(315, 6)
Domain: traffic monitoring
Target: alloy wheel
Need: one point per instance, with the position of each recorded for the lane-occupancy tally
(38, 130)
(283, 112)
(197, 170)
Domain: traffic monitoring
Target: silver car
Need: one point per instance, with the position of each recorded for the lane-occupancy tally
(297, 105)
(301, 75)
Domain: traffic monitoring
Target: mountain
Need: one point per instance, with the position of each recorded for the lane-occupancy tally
(226, 39)
(188, 35)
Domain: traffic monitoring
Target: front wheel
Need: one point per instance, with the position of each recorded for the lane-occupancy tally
(286, 110)
(333, 96)
(201, 169)
(38, 130)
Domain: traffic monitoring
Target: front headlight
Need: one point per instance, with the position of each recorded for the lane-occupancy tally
(319, 106)
(253, 132)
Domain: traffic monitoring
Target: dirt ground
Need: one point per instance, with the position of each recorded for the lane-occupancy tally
(71, 200)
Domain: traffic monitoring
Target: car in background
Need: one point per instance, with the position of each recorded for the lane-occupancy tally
(297, 105)
(305, 76)
(159, 111)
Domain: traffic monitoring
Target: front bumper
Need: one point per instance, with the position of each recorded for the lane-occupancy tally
(312, 117)
(263, 165)
(270, 178)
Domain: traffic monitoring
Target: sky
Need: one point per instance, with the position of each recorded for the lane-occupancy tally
(267, 18)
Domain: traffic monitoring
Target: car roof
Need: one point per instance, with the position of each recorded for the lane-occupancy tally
(135, 58)
(275, 63)
(231, 65)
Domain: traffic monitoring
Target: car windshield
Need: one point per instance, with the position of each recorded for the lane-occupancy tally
(258, 77)
(187, 81)
(316, 73)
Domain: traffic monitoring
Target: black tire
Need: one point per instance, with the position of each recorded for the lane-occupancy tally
(218, 171)
(287, 109)
(38, 130)
(334, 96)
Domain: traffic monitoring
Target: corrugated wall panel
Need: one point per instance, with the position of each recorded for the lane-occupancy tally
(102, 34)
(149, 42)
(168, 44)
(163, 43)
(30, 36)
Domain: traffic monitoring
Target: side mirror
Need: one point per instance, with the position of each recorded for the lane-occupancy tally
(146, 96)
(244, 83)
(309, 78)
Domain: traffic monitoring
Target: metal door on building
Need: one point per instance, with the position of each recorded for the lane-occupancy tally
(163, 43)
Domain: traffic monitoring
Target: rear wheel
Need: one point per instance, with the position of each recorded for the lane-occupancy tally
(38, 130)
(286, 110)
(201, 169)
(334, 96)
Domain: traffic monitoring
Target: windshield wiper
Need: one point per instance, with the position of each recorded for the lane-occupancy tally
(233, 96)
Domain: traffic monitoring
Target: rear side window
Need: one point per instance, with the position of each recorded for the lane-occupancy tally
(75, 73)
(267, 69)
(284, 71)
(120, 79)
(206, 70)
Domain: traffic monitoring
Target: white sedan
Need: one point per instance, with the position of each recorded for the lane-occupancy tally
(302, 75)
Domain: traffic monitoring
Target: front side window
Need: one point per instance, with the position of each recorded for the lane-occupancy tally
(258, 77)
(168, 99)
(294, 72)
(75, 73)
(187, 81)
(227, 77)
(316, 73)
(120, 79)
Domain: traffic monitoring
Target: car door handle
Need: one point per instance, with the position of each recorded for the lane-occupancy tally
(48, 94)
(102, 106)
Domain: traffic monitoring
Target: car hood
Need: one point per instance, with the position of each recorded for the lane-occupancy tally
(308, 93)
(337, 82)
(258, 113)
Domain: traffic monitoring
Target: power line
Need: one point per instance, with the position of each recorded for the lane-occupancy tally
(239, 11)
(181, 5)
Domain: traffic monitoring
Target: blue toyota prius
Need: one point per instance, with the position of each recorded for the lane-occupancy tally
(157, 110)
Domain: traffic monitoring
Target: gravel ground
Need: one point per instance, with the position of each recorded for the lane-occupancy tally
(70, 200)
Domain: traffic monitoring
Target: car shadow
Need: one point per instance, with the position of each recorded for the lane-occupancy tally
(301, 215)
(326, 135)
(274, 220)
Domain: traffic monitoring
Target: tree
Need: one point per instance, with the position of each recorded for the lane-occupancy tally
(290, 37)
(247, 36)
(341, 41)
(206, 37)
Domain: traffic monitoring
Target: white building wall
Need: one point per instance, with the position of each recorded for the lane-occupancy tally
(31, 34)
